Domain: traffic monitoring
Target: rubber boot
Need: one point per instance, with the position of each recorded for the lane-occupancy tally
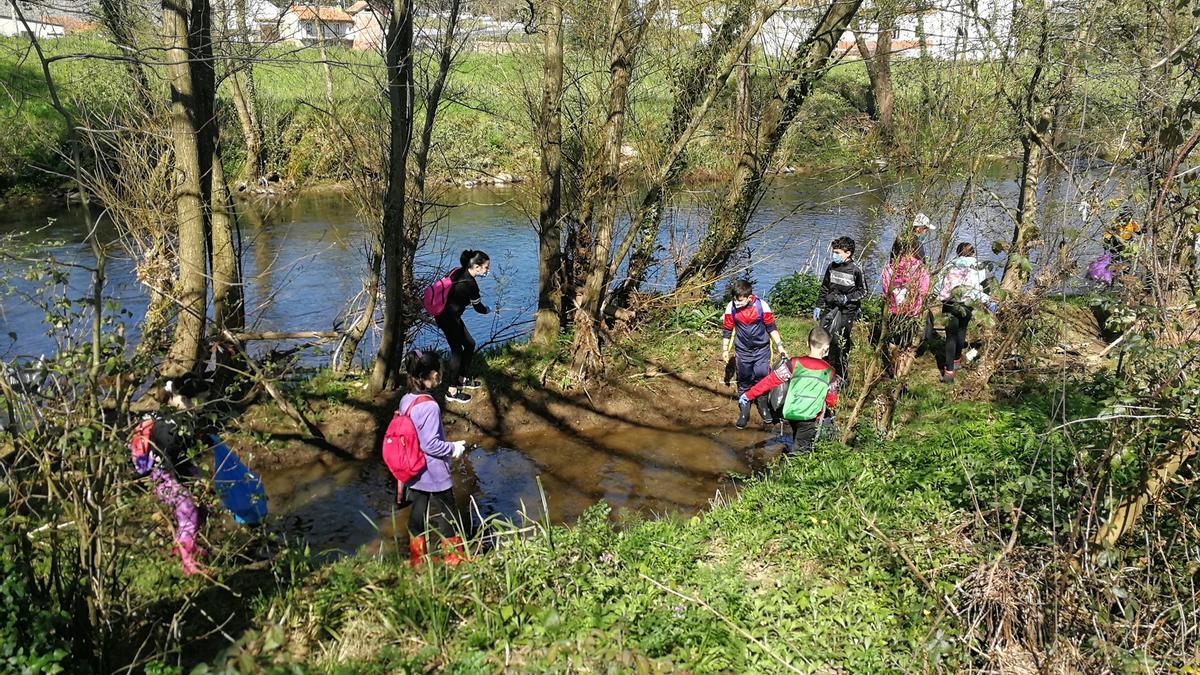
(744, 418)
(454, 551)
(188, 553)
(416, 550)
(764, 409)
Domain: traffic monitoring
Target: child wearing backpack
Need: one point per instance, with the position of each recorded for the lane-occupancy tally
(431, 489)
(838, 302)
(446, 300)
(960, 288)
(161, 448)
(750, 328)
(812, 386)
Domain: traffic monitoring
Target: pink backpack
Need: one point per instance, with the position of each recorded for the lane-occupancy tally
(436, 294)
(401, 448)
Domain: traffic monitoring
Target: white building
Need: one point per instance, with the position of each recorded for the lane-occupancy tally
(43, 20)
(262, 21)
(965, 29)
(359, 26)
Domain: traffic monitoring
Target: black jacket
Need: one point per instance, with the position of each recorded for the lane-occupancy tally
(842, 279)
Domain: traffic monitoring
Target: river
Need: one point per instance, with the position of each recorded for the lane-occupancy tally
(303, 260)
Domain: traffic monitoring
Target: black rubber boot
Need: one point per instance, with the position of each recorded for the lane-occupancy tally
(744, 418)
(764, 409)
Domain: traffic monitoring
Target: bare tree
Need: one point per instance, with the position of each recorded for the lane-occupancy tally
(727, 227)
(548, 320)
(398, 60)
(879, 67)
(192, 287)
(628, 31)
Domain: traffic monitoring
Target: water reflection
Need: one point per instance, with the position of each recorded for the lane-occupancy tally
(343, 506)
(303, 259)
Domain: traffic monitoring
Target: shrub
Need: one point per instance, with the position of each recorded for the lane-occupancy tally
(795, 295)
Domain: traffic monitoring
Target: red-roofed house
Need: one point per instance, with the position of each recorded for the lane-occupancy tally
(308, 24)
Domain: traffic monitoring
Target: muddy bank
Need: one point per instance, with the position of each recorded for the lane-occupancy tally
(655, 397)
(652, 440)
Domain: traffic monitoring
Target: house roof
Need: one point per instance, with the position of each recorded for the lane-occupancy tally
(326, 14)
(69, 24)
(379, 8)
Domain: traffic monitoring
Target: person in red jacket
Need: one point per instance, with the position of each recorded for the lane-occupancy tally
(812, 389)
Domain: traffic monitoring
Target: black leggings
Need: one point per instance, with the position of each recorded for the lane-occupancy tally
(804, 433)
(839, 350)
(957, 316)
(433, 511)
(462, 347)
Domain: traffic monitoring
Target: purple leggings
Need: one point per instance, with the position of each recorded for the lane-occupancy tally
(171, 493)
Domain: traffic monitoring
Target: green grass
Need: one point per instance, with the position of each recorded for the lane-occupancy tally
(485, 125)
(798, 568)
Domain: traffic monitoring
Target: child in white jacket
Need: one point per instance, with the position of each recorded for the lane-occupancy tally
(960, 288)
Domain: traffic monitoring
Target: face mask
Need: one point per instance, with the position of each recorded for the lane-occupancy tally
(838, 259)
(965, 261)
(741, 303)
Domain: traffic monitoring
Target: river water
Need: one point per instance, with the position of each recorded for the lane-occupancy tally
(303, 261)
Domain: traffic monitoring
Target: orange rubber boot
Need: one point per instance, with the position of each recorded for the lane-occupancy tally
(416, 550)
(454, 551)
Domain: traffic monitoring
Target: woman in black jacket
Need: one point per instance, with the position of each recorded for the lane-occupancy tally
(463, 293)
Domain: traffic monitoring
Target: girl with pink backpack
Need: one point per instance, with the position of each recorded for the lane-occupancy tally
(431, 491)
(445, 301)
(960, 289)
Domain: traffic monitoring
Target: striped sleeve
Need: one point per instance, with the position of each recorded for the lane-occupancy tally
(728, 322)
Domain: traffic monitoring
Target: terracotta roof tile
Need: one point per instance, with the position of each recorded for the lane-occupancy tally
(327, 14)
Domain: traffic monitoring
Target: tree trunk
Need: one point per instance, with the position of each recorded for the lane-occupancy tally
(697, 90)
(344, 356)
(548, 319)
(398, 61)
(433, 100)
(240, 73)
(326, 68)
(743, 98)
(115, 15)
(728, 225)
(1161, 472)
(587, 317)
(879, 70)
(1016, 267)
(229, 311)
(191, 289)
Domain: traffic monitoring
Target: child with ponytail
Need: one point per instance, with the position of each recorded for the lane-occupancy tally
(463, 293)
(431, 491)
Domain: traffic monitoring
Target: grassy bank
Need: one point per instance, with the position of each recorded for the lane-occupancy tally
(848, 559)
(880, 557)
(486, 129)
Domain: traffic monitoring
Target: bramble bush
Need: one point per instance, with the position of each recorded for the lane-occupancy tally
(795, 295)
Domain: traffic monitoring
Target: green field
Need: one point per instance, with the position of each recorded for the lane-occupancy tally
(485, 125)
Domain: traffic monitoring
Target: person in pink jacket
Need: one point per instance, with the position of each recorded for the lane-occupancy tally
(162, 447)
(905, 290)
(431, 491)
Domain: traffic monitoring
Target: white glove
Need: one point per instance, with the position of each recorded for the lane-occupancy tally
(459, 448)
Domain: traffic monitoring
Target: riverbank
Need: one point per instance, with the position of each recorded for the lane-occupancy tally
(485, 136)
(880, 557)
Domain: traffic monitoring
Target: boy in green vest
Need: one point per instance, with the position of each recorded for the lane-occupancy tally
(812, 388)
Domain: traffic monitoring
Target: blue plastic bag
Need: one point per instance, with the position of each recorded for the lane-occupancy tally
(239, 489)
